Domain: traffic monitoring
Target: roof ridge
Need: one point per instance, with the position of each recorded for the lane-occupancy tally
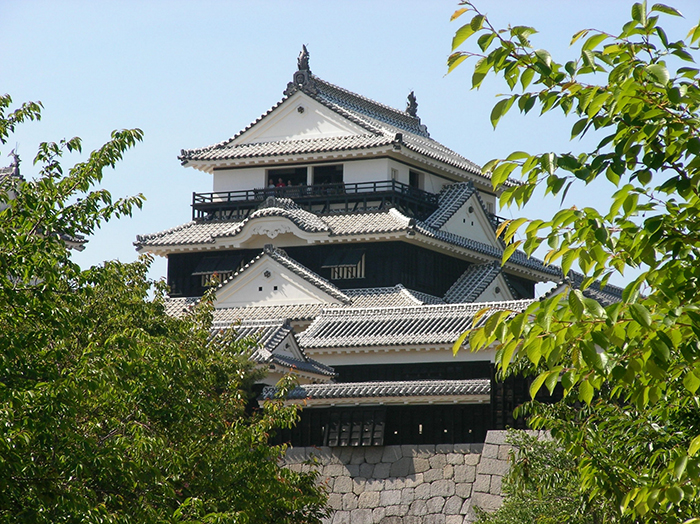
(403, 115)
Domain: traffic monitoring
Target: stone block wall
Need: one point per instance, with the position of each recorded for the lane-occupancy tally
(431, 484)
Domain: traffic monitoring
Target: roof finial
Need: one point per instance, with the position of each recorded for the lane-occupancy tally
(303, 60)
(303, 79)
(412, 105)
(15, 163)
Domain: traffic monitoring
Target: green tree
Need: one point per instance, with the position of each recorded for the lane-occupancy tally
(542, 486)
(633, 366)
(110, 410)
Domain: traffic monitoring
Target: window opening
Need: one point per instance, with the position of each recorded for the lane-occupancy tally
(414, 179)
(325, 174)
(346, 265)
(286, 176)
(221, 267)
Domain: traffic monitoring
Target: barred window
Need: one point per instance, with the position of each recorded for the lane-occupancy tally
(346, 265)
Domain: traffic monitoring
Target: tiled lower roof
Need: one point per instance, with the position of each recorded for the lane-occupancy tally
(295, 312)
(450, 198)
(288, 147)
(335, 224)
(400, 326)
(393, 296)
(359, 390)
(194, 232)
(472, 283)
(269, 334)
(366, 222)
(606, 296)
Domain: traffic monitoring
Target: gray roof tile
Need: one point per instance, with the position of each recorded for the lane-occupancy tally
(472, 283)
(416, 388)
(269, 334)
(410, 325)
(389, 297)
(450, 199)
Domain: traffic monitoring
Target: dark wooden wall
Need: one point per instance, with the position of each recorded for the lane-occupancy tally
(386, 264)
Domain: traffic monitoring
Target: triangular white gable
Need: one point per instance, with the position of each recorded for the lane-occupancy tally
(470, 221)
(288, 347)
(491, 295)
(299, 117)
(253, 287)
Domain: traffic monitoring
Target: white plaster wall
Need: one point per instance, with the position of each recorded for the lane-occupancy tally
(245, 290)
(369, 170)
(288, 123)
(471, 225)
(490, 295)
(239, 179)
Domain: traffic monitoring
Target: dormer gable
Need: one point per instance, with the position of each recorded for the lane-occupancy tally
(274, 279)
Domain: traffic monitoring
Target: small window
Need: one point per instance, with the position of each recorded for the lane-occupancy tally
(355, 427)
(287, 176)
(414, 179)
(219, 278)
(219, 268)
(346, 265)
(394, 174)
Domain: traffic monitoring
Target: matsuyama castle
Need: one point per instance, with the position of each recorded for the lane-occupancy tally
(357, 249)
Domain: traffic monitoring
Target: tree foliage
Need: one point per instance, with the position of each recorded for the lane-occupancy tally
(542, 486)
(110, 410)
(633, 366)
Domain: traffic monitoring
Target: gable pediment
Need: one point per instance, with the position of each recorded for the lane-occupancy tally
(266, 282)
(471, 221)
(298, 118)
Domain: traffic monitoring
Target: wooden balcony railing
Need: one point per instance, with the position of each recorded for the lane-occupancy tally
(358, 195)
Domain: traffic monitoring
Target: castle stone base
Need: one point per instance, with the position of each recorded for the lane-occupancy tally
(424, 484)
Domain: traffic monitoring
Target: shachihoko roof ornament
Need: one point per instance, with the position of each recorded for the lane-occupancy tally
(412, 105)
(302, 78)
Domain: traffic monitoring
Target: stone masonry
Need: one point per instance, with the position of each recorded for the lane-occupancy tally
(431, 484)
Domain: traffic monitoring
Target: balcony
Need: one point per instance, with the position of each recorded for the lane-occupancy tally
(319, 198)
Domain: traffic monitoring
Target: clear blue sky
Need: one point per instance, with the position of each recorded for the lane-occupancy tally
(194, 73)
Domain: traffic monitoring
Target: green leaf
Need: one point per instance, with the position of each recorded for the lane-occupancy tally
(576, 303)
(691, 382)
(507, 354)
(586, 392)
(679, 466)
(458, 343)
(578, 127)
(674, 494)
(509, 250)
(551, 381)
(578, 35)
(661, 8)
(640, 314)
(659, 72)
(537, 384)
(454, 60)
(594, 41)
(461, 35)
(500, 109)
(477, 22)
(639, 13)
(694, 446)
(526, 77)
